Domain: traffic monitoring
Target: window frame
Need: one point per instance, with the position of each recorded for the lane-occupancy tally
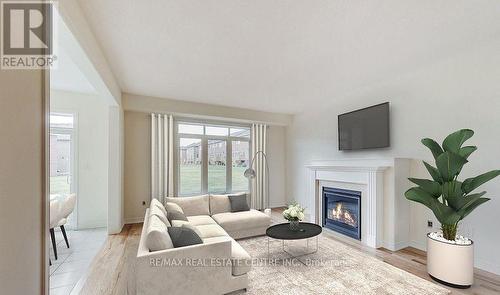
(204, 153)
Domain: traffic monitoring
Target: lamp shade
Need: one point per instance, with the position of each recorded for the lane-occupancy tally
(249, 173)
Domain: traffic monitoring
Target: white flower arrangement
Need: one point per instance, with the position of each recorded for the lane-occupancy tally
(294, 212)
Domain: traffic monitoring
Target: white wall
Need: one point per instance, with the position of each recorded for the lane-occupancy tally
(79, 41)
(137, 165)
(462, 91)
(148, 104)
(92, 139)
(79, 44)
(23, 246)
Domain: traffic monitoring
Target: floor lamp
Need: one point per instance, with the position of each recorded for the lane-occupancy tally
(250, 174)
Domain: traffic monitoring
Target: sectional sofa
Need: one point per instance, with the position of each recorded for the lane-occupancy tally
(218, 265)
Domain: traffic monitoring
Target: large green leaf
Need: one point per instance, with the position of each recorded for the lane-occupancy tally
(433, 172)
(467, 209)
(449, 165)
(433, 146)
(471, 184)
(445, 214)
(432, 187)
(469, 199)
(452, 193)
(454, 141)
(466, 151)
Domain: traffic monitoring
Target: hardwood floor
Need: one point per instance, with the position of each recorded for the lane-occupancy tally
(112, 271)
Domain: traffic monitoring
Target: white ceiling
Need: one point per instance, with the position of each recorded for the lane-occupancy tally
(280, 56)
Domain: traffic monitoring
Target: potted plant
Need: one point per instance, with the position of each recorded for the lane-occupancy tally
(450, 258)
(294, 214)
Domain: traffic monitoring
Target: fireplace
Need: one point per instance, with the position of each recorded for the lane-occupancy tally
(342, 211)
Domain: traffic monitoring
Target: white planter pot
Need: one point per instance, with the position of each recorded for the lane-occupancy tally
(450, 264)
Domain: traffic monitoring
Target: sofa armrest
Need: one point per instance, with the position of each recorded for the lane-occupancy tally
(185, 270)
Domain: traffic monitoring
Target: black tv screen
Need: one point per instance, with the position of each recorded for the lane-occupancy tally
(366, 128)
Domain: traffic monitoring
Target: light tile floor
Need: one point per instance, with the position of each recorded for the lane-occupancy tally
(72, 263)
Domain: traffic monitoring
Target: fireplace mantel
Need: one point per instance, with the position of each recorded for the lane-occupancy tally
(380, 207)
(352, 165)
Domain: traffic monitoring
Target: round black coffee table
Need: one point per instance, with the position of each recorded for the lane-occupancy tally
(283, 232)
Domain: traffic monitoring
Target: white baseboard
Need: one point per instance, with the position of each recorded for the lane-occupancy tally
(487, 265)
(134, 220)
(88, 224)
(418, 245)
(396, 246)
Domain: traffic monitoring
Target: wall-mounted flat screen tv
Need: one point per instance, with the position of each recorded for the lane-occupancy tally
(366, 128)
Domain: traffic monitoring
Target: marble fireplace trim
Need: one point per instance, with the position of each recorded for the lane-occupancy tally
(366, 176)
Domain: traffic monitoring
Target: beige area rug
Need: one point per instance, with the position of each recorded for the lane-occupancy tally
(335, 269)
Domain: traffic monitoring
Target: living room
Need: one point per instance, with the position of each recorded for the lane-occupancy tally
(261, 147)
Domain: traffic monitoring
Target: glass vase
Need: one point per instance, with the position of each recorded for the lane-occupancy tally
(294, 225)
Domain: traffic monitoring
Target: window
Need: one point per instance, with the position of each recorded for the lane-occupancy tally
(240, 163)
(211, 158)
(61, 153)
(216, 165)
(62, 158)
(190, 129)
(240, 132)
(190, 166)
(219, 131)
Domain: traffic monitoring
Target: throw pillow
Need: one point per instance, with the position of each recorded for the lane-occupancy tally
(238, 203)
(176, 215)
(183, 236)
(169, 206)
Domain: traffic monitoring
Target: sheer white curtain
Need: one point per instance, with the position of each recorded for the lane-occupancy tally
(162, 156)
(258, 196)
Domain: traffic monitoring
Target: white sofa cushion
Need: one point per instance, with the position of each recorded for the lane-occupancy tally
(155, 210)
(241, 260)
(201, 220)
(156, 203)
(219, 204)
(178, 222)
(198, 205)
(211, 230)
(157, 237)
(236, 221)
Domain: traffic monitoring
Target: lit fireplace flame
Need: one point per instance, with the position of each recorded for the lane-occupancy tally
(343, 215)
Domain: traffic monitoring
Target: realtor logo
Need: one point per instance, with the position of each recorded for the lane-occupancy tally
(27, 35)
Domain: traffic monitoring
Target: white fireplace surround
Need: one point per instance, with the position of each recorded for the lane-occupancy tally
(384, 212)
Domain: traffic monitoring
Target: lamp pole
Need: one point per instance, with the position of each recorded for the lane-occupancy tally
(250, 173)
